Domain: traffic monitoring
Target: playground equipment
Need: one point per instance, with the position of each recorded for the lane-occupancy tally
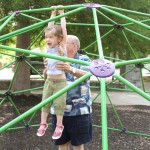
(101, 67)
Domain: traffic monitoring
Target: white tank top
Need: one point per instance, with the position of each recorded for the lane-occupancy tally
(52, 70)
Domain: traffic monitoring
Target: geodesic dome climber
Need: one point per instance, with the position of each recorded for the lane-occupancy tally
(102, 67)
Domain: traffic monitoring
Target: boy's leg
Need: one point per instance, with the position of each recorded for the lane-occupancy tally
(80, 147)
(67, 147)
(64, 146)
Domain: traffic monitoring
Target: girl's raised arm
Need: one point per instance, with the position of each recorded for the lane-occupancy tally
(53, 14)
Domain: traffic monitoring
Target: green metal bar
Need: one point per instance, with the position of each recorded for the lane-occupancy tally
(13, 76)
(48, 9)
(142, 80)
(116, 59)
(99, 44)
(32, 56)
(45, 102)
(146, 62)
(137, 133)
(107, 17)
(96, 41)
(36, 39)
(16, 128)
(8, 20)
(1, 93)
(15, 107)
(37, 25)
(3, 99)
(32, 117)
(7, 65)
(28, 90)
(140, 35)
(118, 89)
(107, 33)
(100, 106)
(4, 18)
(89, 45)
(45, 55)
(34, 69)
(130, 132)
(96, 97)
(114, 110)
(125, 17)
(31, 17)
(147, 69)
(22, 91)
(113, 89)
(126, 10)
(104, 115)
(133, 87)
(126, 24)
(21, 31)
(7, 54)
(123, 74)
(103, 87)
(129, 44)
(91, 54)
(83, 24)
(101, 38)
(117, 64)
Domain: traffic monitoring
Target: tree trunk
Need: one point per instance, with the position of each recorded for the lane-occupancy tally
(22, 78)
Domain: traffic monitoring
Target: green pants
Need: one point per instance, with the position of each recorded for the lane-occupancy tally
(51, 87)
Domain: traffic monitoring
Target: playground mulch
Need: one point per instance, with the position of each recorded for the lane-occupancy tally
(134, 118)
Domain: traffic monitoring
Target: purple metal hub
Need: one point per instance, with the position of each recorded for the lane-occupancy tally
(17, 12)
(102, 68)
(92, 5)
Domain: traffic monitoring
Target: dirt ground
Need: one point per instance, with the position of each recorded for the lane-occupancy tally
(134, 118)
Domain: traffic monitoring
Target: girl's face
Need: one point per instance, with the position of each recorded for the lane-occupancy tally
(51, 39)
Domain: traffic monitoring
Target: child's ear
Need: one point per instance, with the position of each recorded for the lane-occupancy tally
(60, 39)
